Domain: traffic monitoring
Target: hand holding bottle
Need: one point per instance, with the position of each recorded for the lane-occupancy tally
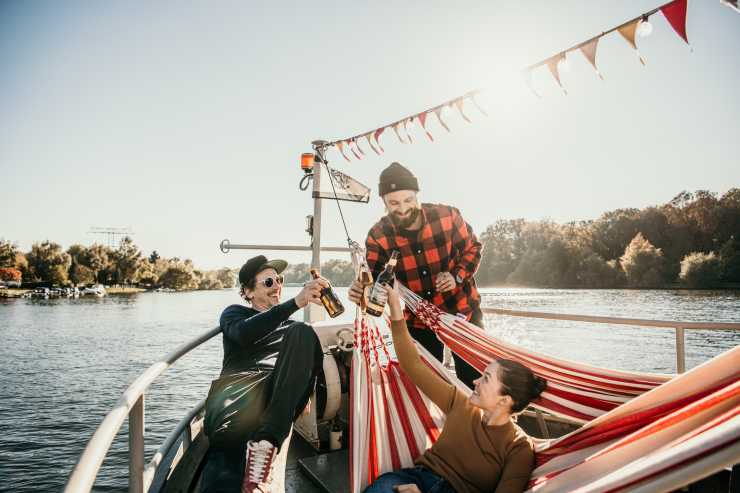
(311, 292)
(394, 301)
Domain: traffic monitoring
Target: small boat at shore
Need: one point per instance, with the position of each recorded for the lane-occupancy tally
(95, 290)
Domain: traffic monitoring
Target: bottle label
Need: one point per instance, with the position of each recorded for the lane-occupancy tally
(378, 295)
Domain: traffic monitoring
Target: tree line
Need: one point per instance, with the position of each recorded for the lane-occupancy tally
(47, 262)
(693, 241)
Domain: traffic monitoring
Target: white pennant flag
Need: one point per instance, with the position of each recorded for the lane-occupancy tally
(346, 188)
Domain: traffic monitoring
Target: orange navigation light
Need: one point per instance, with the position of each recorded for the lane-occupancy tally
(307, 160)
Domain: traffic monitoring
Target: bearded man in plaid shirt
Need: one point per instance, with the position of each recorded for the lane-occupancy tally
(439, 254)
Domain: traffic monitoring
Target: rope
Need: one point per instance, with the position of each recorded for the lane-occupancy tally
(336, 199)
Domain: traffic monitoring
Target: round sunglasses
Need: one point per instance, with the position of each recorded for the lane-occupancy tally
(269, 282)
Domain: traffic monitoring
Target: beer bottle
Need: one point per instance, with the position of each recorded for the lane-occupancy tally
(378, 297)
(329, 299)
(366, 279)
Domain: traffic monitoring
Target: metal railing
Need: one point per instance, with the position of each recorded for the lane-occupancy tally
(679, 327)
(131, 405)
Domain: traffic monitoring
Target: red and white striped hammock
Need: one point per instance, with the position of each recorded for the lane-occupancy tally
(642, 432)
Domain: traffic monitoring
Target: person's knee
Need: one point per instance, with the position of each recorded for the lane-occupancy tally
(302, 331)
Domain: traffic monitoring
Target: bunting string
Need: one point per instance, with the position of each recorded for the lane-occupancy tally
(674, 12)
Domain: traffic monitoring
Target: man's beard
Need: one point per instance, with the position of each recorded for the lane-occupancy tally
(405, 222)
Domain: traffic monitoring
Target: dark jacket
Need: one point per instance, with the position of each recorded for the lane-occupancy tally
(251, 338)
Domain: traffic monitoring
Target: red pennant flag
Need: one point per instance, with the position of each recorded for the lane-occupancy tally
(340, 146)
(552, 64)
(377, 135)
(589, 51)
(459, 105)
(406, 129)
(422, 120)
(438, 112)
(675, 12)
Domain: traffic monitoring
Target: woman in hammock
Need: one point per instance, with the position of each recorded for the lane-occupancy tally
(480, 449)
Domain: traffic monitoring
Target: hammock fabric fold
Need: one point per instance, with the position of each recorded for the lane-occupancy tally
(641, 431)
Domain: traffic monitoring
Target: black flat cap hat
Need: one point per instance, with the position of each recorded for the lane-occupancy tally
(257, 264)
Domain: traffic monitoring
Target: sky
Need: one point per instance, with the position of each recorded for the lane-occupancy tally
(185, 121)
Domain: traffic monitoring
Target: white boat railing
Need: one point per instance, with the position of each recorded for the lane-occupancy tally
(131, 403)
(679, 327)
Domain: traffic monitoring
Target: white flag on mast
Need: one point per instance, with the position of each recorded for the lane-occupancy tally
(347, 188)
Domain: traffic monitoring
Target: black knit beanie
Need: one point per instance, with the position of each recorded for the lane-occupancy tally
(395, 177)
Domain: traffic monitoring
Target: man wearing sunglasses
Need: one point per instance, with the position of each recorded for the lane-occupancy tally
(269, 371)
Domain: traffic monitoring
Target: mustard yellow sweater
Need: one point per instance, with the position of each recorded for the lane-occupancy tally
(472, 456)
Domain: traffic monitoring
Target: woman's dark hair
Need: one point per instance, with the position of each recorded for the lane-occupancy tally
(251, 284)
(519, 383)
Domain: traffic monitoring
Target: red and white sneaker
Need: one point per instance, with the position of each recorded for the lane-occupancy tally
(258, 468)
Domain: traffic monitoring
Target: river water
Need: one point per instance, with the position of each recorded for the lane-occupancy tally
(64, 363)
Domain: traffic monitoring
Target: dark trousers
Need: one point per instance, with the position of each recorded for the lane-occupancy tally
(465, 372)
(287, 392)
(292, 382)
(423, 478)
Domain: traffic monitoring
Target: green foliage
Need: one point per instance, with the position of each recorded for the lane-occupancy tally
(730, 260)
(226, 277)
(126, 261)
(338, 272)
(297, 273)
(8, 252)
(47, 262)
(701, 270)
(178, 276)
(588, 253)
(642, 263)
(81, 274)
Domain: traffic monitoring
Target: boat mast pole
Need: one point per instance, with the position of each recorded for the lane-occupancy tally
(313, 313)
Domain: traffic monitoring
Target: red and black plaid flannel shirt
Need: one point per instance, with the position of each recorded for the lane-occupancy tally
(445, 243)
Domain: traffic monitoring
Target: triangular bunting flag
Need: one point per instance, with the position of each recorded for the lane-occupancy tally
(552, 64)
(406, 129)
(438, 112)
(675, 12)
(423, 120)
(349, 144)
(395, 129)
(733, 4)
(340, 146)
(369, 137)
(589, 51)
(377, 135)
(357, 144)
(459, 105)
(628, 32)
